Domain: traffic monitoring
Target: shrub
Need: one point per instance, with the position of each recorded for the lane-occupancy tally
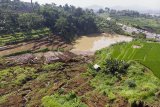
(131, 83)
(114, 66)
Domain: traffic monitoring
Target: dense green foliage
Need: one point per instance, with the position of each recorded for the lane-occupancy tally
(115, 66)
(69, 21)
(65, 21)
(17, 16)
(108, 26)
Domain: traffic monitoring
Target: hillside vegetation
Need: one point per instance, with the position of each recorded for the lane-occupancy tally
(147, 53)
(66, 21)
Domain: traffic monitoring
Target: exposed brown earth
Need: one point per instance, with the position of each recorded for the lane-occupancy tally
(68, 78)
(95, 100)
(51, 42)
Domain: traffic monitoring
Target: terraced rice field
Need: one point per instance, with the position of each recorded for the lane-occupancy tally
(147, 53)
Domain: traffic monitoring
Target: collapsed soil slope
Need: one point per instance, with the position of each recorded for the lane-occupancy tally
(50, 42)
(41, 80)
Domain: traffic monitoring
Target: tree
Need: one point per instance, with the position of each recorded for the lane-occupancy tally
(101, 11)
(29, 21)
(114, 66)
(65, 28)
(107, 9)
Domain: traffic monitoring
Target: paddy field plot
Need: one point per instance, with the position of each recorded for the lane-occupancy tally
(147, 53)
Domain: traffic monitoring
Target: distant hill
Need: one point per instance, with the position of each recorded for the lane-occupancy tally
(136, 8)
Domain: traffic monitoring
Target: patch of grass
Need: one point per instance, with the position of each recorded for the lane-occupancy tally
(111, 96)
(3, 99)
(16, 76)
(56, 100)
(42, 77)
(53, 66)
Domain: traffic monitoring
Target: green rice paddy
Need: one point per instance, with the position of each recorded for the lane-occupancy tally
(147, 53)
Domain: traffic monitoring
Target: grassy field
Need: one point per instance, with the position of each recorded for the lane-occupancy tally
(143, 52)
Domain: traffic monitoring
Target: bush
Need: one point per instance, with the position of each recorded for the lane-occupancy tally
(131, 83)
(114, 66)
